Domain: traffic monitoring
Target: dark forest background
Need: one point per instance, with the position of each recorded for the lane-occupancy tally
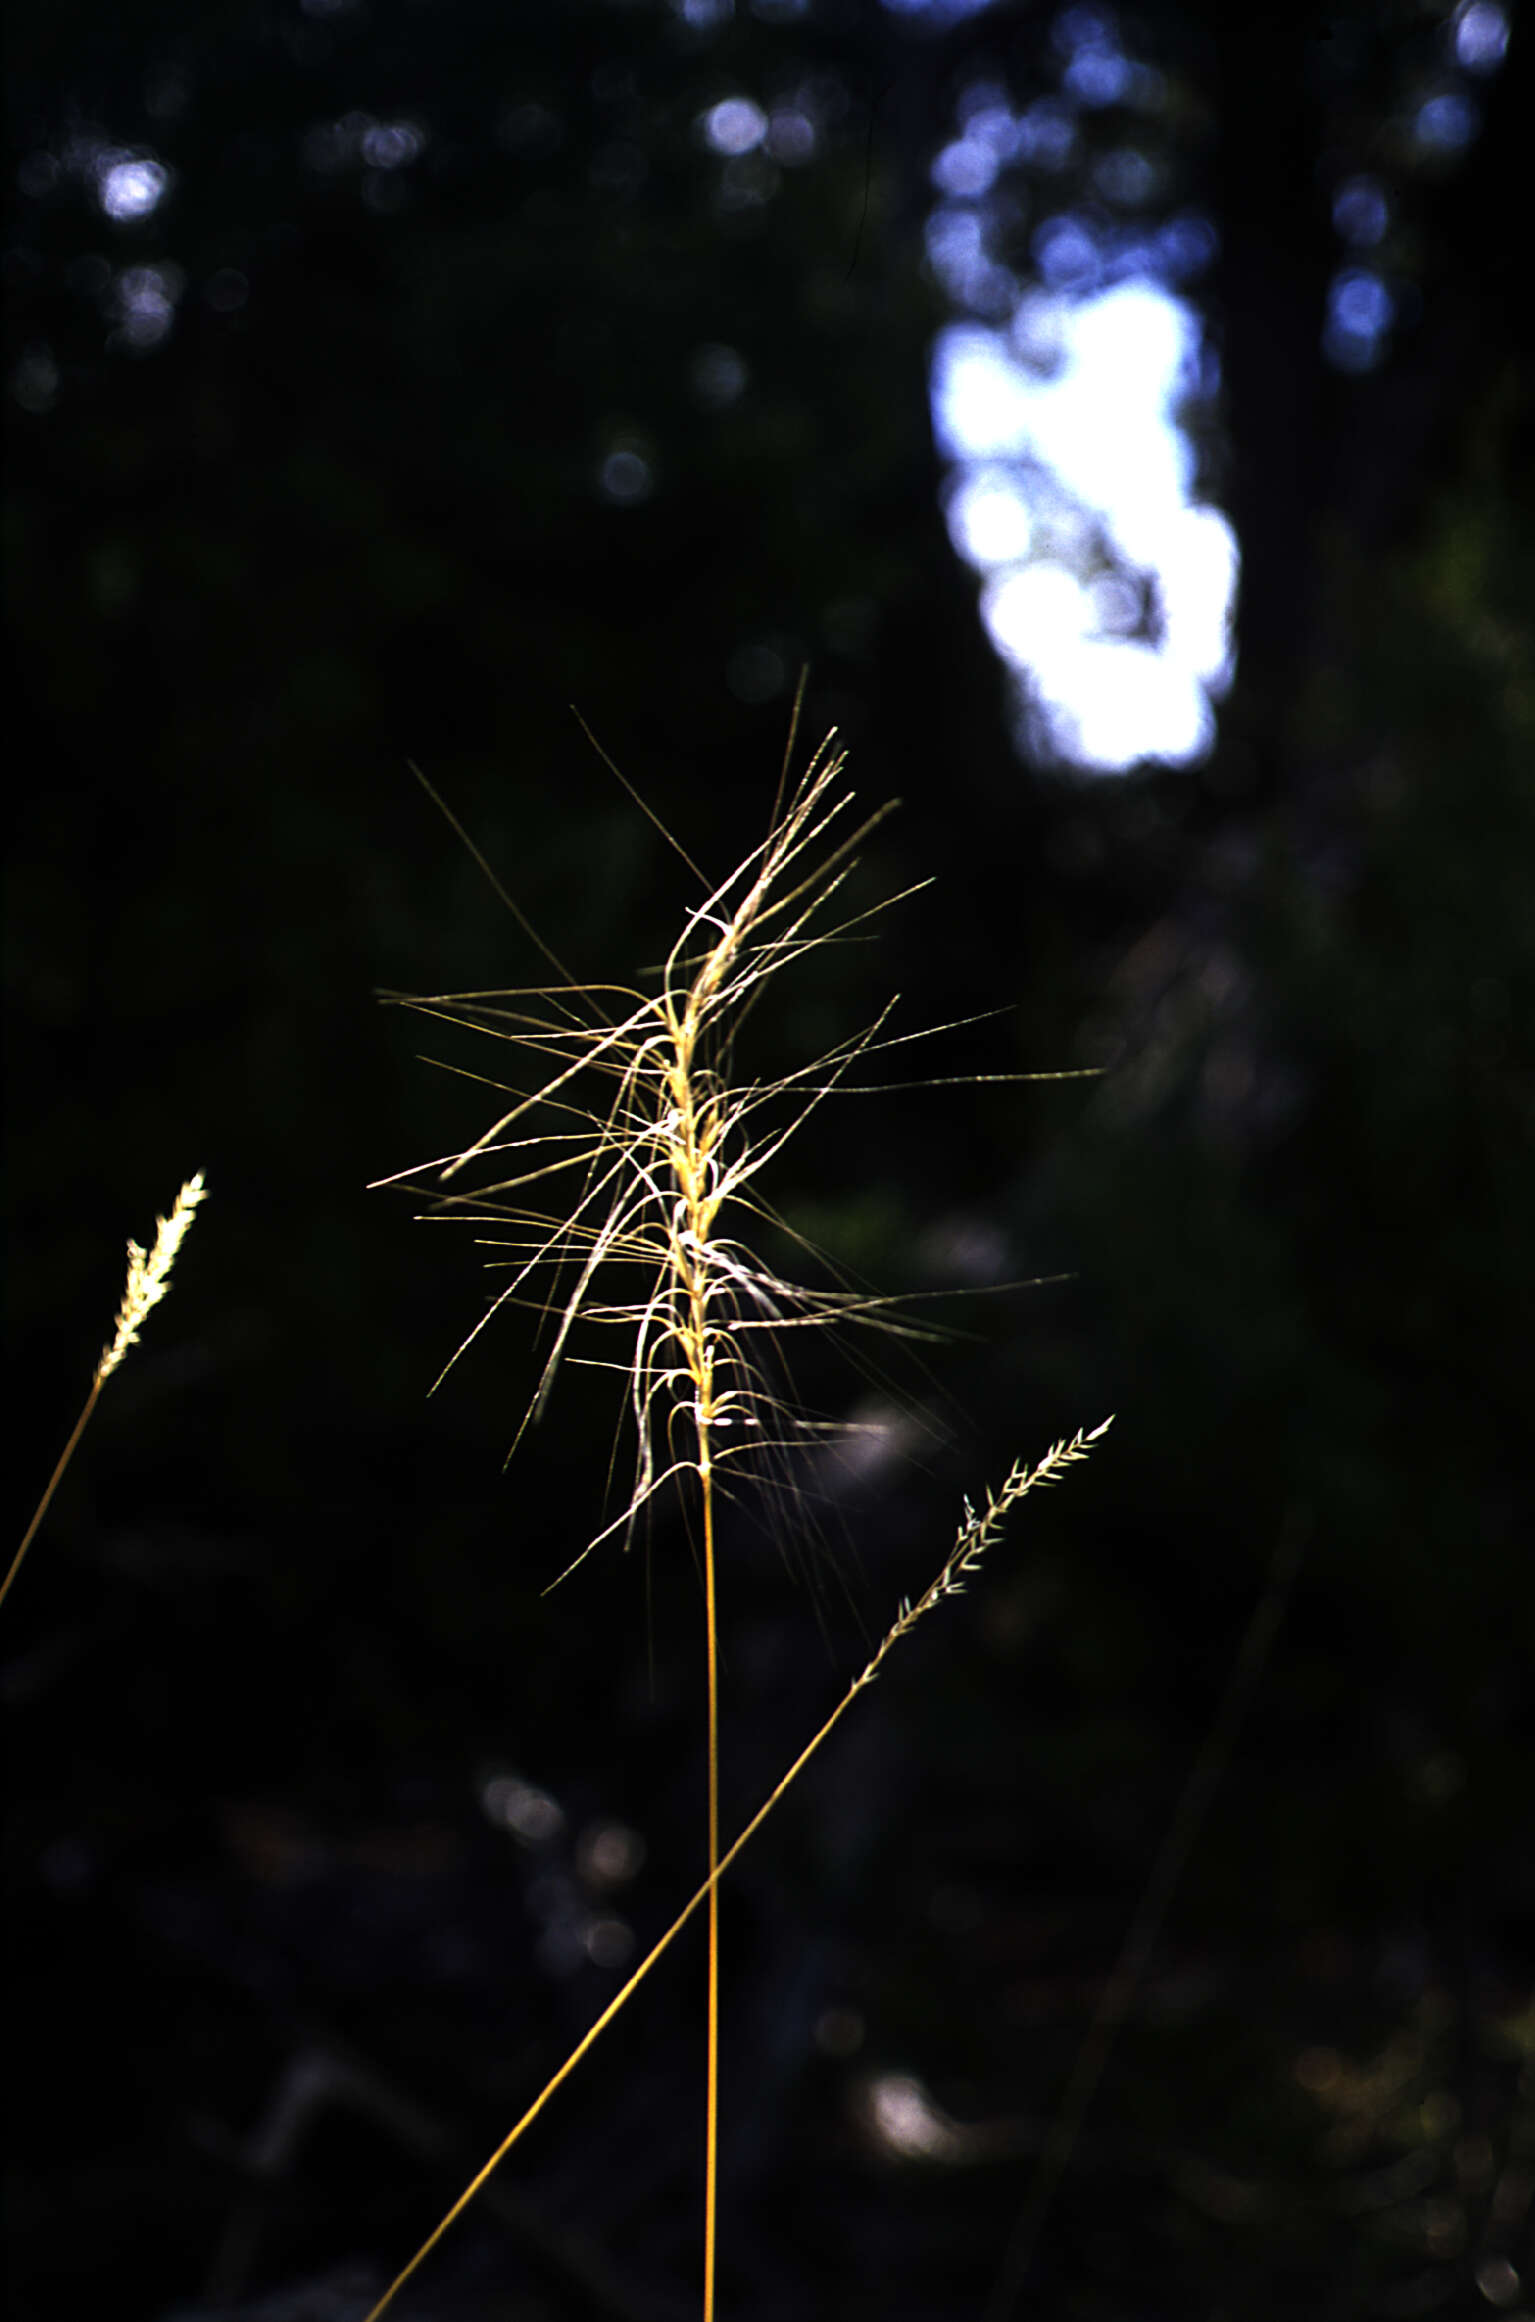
(327, 1828)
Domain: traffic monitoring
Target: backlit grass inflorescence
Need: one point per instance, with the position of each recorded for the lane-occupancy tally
(660, 1161)
(149, 1274)
(662, 1147)
(643, 1119)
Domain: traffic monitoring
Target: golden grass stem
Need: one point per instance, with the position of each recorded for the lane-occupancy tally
(976, 1534)
(41, 1510)
(692, 1175)
(712, 2067)
(148, 1279)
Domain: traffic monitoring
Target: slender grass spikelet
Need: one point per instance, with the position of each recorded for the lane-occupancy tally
(149, 1274)
(148, 1280)
(979, 1531)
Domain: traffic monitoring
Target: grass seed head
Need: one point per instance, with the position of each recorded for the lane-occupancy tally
(646, 1149)
(149, 1274)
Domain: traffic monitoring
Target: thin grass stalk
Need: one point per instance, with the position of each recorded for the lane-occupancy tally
(700, 1357)
(712, 2067)
(976, 1534)
(41, 1510)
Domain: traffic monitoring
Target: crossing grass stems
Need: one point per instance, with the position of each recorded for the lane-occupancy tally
(651, 1145)
(624, 1199)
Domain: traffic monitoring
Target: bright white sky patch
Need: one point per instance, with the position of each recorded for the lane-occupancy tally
(1100, 428)
(988, 520)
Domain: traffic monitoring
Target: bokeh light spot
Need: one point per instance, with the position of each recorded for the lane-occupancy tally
(626, 478)
(735, 126)
(1498, 2281)
(791, 137)
(1360, 312)
(1047, 135)
(609, 1854)
(1066, 253)
(1126, 177)
(1480, 36)
(905, 2120)
(1361, 212)
(717, 376)
(956, 252)
(757, 672)
(146, 299)
(1185, 246)
(965, 169)
(608, 1942)
(129, 188)
(522, 1808)
(392, 144)
(1446, 123)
